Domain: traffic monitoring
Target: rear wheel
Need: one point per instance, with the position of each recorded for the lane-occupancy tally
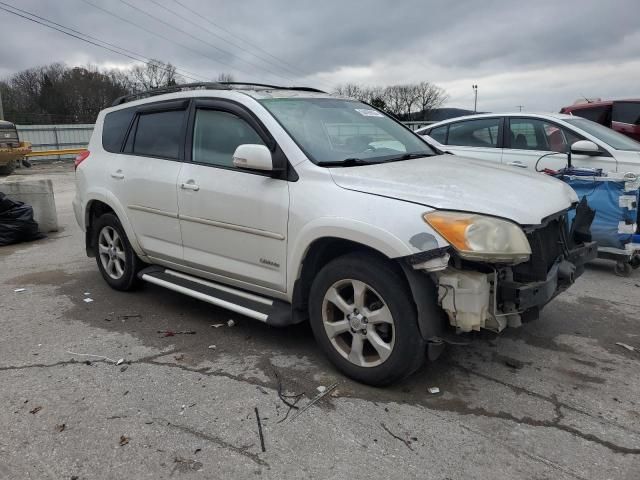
(117, 261)
(363, 317)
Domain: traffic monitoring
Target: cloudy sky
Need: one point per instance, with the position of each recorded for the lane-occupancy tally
(540, 54)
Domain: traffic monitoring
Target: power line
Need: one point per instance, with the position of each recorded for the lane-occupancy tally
(173, 12)
(199, 40)
(290, 67)
(74, 36)
(142, 58)
(140, 27)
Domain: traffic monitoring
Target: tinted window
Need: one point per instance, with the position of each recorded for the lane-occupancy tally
(595, 114)
(626, 112)
(115, 128)
(439, 134)
(159, 134)
(475, 133)
(216, 136)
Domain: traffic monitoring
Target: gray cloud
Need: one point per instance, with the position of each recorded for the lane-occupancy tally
(540, 54)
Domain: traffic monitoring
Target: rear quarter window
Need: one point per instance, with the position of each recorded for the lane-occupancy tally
(114, 129)
(159, 134)
(439, 134)
(626, 112)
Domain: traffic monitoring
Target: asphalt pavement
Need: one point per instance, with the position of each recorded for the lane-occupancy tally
(555, 399)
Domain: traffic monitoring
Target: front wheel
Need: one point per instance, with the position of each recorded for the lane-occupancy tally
(364, 319)
(117, 262)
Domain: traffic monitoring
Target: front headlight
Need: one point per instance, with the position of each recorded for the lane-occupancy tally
(478, 237)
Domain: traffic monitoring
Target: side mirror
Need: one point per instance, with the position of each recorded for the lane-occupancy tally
(585, 147)
(253, 157)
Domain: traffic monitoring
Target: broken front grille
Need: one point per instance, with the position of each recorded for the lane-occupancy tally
(547, 245)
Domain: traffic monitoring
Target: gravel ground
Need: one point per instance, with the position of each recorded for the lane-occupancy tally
(555, 399)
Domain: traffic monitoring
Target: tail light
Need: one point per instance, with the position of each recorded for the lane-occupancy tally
(81, 157)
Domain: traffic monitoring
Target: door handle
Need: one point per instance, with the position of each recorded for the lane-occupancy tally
(190, 186)
(517, 164)
(117, 174)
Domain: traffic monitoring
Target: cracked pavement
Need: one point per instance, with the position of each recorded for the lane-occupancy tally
(555, 399)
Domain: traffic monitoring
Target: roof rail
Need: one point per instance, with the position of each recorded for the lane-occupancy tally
(204, 86)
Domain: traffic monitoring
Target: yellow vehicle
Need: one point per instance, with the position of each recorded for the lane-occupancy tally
(12, 149)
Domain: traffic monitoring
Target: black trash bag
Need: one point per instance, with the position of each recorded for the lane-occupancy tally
(16, 222)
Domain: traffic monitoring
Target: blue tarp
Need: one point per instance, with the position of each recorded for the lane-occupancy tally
(612, 219)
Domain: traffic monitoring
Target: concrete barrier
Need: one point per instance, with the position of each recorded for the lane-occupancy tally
(38, 194)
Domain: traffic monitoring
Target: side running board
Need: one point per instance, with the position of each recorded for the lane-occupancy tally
(270, 311)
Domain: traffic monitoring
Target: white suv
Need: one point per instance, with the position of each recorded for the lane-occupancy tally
(287, 205)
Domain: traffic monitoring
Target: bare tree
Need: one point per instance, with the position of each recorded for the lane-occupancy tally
(225, 77)
(154, 74)
(394, 100)
(429, 97)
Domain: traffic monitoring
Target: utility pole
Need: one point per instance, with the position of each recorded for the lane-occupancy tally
(475, 98)
(1, 110)
(519, 107)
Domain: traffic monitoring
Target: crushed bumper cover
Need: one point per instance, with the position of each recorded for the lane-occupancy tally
(526, 296)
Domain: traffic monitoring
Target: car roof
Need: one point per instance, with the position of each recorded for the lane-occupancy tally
(543, 115)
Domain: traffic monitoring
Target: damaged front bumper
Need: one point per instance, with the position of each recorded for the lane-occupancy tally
(493, 300)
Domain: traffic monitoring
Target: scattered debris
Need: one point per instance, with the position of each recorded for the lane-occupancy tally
(130, 315)
(182, 409)
(124, 368)
(217, 325)
(260, 430)
(433, 390)
(230, 323)
(125, 393)
(212, 347)
(91, 355)
(61, 428)
(120, 362)
(315, 400)
(171, 333)
(123, 440)
(406, 442)
(35, 410)
(284, 397)
(197, 450)
(321, 388)
(624, 345)
(86, 294)
(87, 300)
(335, 393)
(513, 363)
(179, 358)
(18, 290)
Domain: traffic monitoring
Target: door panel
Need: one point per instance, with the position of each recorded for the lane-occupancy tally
(151, 201)
(234, 224)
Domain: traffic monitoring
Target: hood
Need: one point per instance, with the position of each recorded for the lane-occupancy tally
(449, 182)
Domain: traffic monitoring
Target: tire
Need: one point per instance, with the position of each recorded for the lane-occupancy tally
(8, 168)
(111, 244)
(400, 349)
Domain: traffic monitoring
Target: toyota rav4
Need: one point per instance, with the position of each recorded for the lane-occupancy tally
(289, 204)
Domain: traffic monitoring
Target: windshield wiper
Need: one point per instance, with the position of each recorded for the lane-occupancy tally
(407, 156)
(347, 162)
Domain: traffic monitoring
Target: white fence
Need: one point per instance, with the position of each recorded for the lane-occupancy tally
(55, 137)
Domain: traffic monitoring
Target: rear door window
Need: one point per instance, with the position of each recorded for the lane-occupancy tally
(475, 133)
(598, 114)
(626, 112)
(439, 134)
(115, 127)
(160, 134)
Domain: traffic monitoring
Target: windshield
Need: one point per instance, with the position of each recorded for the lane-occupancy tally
(344, 132)
(610, 137)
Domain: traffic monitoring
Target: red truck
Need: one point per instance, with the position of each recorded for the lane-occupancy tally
(620, 115)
